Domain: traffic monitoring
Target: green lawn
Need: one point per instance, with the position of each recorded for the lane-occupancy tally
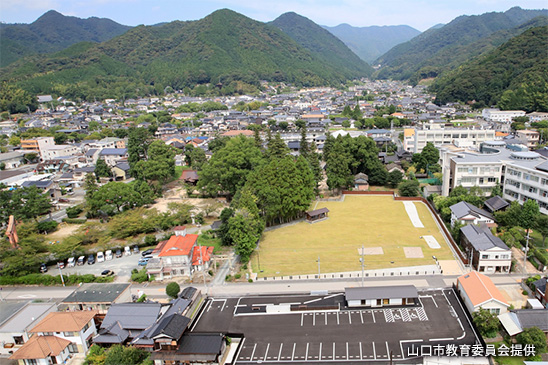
(509, 360)
(372, 221)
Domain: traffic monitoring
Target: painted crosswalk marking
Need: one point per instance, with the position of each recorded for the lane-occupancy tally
(422, 314)
(405, 315)
(388, 315)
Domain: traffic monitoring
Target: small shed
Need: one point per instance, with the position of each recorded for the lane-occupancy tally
(382, 296)
(315, 215)
(361, 182)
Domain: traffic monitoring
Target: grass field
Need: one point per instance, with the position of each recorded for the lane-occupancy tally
(372, 221)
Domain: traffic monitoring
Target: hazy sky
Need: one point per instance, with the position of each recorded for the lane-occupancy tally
(420, 14)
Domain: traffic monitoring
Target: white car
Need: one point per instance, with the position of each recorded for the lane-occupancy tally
(127, 251)
(71, 262)
(108, 255)
(100, 257)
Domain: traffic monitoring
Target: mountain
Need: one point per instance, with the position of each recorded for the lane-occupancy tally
(439, 50)
(320, 42)
(53, 32)
(371, 42)
(225, 47)
(514, 76)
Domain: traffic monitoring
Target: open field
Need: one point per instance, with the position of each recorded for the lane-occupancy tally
(372, 221)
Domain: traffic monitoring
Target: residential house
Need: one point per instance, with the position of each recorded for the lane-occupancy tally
(478, 291)
(113, 155)
(540, 291)
(12, 160)
(361, 182)
(488, 253)
(125, 321)
(495, 204)
(515, 321)
(37, 145)
(466, 213)
(48, 187)
(190, 177)
(121, 171)
(18, 319)
(174, 257)
(194, 348)
(56, 151)
(96, 296)
(531, 137)
(43, 350)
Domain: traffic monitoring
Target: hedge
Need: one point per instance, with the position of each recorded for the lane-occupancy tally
(75, 220)
(48, 280)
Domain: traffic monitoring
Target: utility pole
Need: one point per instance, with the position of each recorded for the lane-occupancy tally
(61, 274)
(318, 261)
(362, 260)
(526, 251)
(202, 259)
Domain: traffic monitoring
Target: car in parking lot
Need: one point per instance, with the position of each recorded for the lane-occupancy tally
(135, 249)
(44, 268)
(81, 260)
(91, 259)
(100, 257)
(118, 253)
(61, 264)
(107, 273)
(71, 262)
(127, 251)
(147, 252)
(108, 255)
(143, 261)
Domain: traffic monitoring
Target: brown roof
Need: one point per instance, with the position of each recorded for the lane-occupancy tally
(316, 212)
(245, 132)
(480, 288)
(40, 347)
(64, 321)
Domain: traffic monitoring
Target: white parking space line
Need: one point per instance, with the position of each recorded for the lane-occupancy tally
(224, 303)
(280, 352)
(253, 352)
(431, 297)
(373, 315)
(325, 314)
(337, 318)
(333, 350)
(302, 319)
(314, 319)
(347, 351)
(320, 351)
(332, 295)
(209, 305)
(293, 353)
(306, 354)
(387, 350)
(374, 352)
(361, 316)
(349, 318)
(361, 353)
(266, 353)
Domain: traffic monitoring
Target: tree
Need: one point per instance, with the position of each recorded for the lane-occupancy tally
(300, 124)
(528, 215)
(533, 336)
(541, 225)
(378, 174)
(14, 141)
(409, 188)
(198, 158)
(243, 235)
(122, 355)
(29, 203)
(338, 172)
(16, 100)
(486, 322)
(173, 289)
(102, 169)
(30, 157)
(496, 191)
(394, 178)
(160, 166)
(138, 141)
(276, 148)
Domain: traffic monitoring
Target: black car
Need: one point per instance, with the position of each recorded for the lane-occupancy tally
(43, 268)
(147, 252)
(91, 259)
(107, 273)
(118, 253)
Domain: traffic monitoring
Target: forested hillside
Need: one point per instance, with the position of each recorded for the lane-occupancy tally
(53, 32)
(514, 76)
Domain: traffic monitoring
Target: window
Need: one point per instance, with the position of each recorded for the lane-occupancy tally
(492, 179)
(481, 180)
(18, 340)
(47, 333)
(70, 334)
(73, 348)
(494, 310)
(31, 361)
(85, 327)
(386, 301)
(484, 256)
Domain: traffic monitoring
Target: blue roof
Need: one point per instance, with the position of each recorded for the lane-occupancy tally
(377, 131)
(113, 151)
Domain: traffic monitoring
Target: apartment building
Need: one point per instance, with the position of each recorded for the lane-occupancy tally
(37, 145)
(522, 174)
(415, 139)
(531, 137)
(56, 151)
(501, 116)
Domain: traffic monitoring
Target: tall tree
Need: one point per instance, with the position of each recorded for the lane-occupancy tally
(102, 169)
(338, 171)
(277, 148)
(138, 141)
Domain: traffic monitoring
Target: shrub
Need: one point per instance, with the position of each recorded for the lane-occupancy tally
(74, 220)
(250, 280)
(75, 211)
(237, 276)
(47, 227)
(49, 280)
(139, 276)
(173, 289)
(150, 240)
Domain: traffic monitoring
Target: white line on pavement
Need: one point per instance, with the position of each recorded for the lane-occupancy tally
(253, 352)
(306, 355)
(280, 352)
(361, 316)
(293, 353)
(374, 352)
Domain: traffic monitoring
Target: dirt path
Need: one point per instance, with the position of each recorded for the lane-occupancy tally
(64, 231)
(179, 195)
(517, 254)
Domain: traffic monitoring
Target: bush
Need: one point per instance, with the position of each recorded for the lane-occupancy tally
(173, 289)
(139, 276)
(74, 220)
(250, 280)
(49, 280)
(150, 240)
(75, 211)
(47, 227)
(237, 276)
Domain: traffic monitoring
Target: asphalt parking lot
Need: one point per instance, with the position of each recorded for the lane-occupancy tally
(121, 266)
(275, 334)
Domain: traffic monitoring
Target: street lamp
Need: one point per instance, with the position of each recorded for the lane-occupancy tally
(362, 261)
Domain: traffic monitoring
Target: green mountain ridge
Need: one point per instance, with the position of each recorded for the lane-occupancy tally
(224, 47)
(320, 42)
(513, 76)
(439, 50)
(369, 43)
(53, 32)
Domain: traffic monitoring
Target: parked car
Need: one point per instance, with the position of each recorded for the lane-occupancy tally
(91, 259)
(100, 257)
(127, 251)
(143, 261)
(44, 268)
(71, 262)
(81, 260)
(61, 264)
(135, 249)
(118, 253)
(147, 252)
(107, 273)
(108, 255)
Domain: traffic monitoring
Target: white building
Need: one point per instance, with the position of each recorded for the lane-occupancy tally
(478, 291)
(415, 139)
(501, 116)
(487, 252)
(59, 151)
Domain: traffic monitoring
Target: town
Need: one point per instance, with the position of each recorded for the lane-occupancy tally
(467, 190)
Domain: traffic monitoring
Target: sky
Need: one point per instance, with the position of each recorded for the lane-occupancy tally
(419, 14)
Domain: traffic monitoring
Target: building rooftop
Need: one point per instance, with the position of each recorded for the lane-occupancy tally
(26, 316)
(381, 292)
(480, 288)
(64, 321)
(481, 238)
(41, 347)
(96, 293)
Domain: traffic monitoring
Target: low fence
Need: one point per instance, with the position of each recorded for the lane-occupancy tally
(356, 275)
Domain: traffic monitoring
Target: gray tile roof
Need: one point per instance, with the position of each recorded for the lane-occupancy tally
(113, 151)
(203, 343)
(132, 315)
(481, 238)
(96, 293)
(533, 318)
(172, 326)
(381, 292)
(462, 209)
(496, 203)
